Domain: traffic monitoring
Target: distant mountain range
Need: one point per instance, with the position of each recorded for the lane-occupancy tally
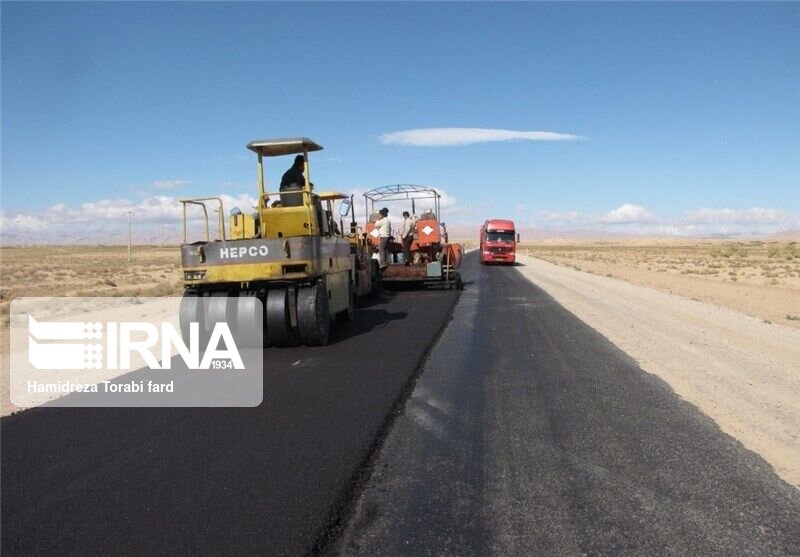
(530, 234)
(142, 238)
(456, 232)
(786, 235)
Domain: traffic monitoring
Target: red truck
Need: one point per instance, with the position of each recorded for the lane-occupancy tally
(498, 242)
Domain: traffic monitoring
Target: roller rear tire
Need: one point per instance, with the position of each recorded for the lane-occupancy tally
(191, 311)
(250, 320)
(313, 317)
(279, 330)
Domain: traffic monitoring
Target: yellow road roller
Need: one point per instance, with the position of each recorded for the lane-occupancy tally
(286, 264)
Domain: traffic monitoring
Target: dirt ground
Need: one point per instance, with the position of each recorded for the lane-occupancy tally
(742, 372)
(87, 271)
(761, 279)
(80, 271)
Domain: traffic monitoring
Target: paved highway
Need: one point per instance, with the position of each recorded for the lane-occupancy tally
(270, 479)
(529, 433)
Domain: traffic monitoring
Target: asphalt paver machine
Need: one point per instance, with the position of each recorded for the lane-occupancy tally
(433, 261)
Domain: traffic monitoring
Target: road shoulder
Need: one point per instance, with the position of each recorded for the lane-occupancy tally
(740, 371)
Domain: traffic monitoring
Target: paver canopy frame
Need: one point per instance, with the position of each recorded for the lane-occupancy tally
(402, 192)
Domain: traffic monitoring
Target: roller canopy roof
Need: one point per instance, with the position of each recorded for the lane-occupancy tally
(286, 146)
(331, 195)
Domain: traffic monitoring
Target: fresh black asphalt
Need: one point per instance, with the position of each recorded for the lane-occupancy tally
(265, 480)
(529, 433)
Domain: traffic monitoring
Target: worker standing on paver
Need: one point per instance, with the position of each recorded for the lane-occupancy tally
(384, 228)
(407, 236)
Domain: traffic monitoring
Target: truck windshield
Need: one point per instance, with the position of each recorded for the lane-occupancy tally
(500, 237)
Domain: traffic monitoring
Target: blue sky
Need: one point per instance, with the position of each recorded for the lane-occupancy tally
(690, 112)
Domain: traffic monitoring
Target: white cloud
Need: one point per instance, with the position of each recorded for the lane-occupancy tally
(754, 215)
(169, 184)
(439, 137)
(635, 219)
(158, 219)
(155, 219)
(627, 214)
(447, 201)
(631, 219)
(23, 223)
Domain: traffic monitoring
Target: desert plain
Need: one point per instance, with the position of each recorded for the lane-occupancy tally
(719, 320)
(758, 278)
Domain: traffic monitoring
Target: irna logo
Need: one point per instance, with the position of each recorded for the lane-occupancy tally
(94, 345)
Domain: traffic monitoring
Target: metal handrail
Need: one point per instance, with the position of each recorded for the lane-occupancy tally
(220, 216)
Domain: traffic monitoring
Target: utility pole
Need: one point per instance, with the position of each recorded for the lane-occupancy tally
(130, 214)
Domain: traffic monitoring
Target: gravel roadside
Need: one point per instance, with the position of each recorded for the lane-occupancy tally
(740, 371)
